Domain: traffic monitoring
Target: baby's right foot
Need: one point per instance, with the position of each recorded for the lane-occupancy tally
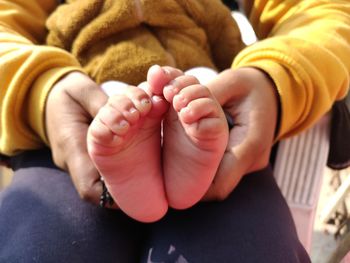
(124, 144)
(195, 138)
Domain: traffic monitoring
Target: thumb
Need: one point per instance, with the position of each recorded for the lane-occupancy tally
(247, 151)
(87, 93)
(236, 162)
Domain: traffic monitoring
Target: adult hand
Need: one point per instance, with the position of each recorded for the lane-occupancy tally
(250, 97)
(72, 103)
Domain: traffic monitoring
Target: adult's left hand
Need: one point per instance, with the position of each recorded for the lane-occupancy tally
(71, 105)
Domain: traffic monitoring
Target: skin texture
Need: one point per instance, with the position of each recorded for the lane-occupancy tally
(70, 107)
(247, 94)
(195, 136)
(250, 97)
(124, 142)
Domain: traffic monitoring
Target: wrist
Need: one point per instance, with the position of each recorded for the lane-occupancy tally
(38, 98)
(270, 84)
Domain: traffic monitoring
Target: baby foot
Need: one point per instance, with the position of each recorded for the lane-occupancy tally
(195, 138)
(124, 144)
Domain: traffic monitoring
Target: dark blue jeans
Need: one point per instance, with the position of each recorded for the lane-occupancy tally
(42, 219)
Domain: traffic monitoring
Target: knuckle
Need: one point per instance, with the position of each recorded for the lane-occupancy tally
(58, 156)
(221, 192)
(86, 187)
(58, 160)
(260, 164)
(221, 195)
(85, 193)
(260, 158)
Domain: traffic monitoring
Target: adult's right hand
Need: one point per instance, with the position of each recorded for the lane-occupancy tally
(72, 103)
(250, 97)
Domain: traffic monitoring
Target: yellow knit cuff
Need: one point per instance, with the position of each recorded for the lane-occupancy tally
(38, 96)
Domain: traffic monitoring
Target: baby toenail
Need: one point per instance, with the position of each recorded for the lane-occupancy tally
(168, 87)
(171, 86)
(123, 123)
(165, 71)
(145, 101)
(132, 110)
(157, 98)
(116, 140)
(180, 97)
(185, 110)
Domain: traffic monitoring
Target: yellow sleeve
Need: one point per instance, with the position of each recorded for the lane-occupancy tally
(304, 47)
(28, 70)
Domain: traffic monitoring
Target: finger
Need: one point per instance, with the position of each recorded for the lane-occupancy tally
(230, 85)
(83, 173)
(232, 167)
(248, 150)
(85, 177)
(67, 122)
(226, 179)
(91, 97)
(253, 104)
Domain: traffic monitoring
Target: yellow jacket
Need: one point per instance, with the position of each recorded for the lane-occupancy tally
(304, 48)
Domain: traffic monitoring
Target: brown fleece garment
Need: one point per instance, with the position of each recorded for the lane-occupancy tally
(120, 40)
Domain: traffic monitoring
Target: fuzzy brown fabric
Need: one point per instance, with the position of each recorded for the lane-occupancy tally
(121, 39)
